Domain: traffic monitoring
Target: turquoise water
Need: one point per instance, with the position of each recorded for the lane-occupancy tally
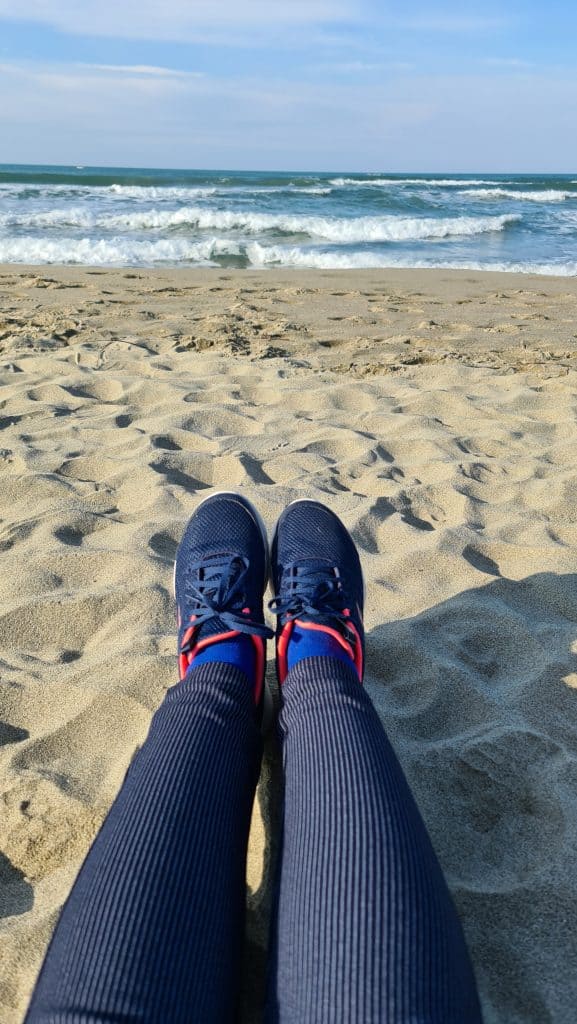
(141, 217)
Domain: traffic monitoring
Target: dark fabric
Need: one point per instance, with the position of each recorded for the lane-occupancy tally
(365, 929)
(152, 931)
(223, 531)
(310, 540)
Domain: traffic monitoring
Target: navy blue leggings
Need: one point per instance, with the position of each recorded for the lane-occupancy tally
(364, 930)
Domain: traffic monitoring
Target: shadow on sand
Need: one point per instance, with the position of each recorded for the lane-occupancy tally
(478, 695)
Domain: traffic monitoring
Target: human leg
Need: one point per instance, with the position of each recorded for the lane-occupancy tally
(152, 930)
(365, 929)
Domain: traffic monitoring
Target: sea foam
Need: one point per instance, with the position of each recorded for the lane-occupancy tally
(284, 256)
(342, 230)
(153, 193)
(120, 251)
(114, 251)
(343, 219)
(432, 182)
(550, 195)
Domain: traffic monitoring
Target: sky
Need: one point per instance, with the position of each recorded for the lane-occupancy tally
(357, 85)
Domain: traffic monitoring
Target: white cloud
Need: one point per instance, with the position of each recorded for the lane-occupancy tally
(83, 74)
(141, 69)
(360, 67)
(454, 23)
(55, 94)
(508, 62)
(80, 114)
(121, 116)
(181, 20)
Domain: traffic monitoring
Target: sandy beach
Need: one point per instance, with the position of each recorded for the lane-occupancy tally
(436, 411)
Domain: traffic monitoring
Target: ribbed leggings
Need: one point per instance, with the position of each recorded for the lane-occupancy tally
(364, 929)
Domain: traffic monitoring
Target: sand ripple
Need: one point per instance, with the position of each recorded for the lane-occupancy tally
(456, 473)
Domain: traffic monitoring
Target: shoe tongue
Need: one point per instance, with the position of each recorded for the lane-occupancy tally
(212, 627)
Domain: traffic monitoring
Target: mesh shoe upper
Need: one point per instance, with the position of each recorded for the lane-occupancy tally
(219, 578)
(317, 579)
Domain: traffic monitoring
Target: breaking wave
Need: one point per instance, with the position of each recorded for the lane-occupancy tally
(124, 216)
(388, 182)
(115, 251)
(154, 193)
(549, 195)
(120, 251)
(341, 230)
(263, 256)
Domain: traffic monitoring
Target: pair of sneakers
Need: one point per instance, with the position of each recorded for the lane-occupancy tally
(221, 573)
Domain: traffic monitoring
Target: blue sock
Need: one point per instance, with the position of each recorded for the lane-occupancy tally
(310, 643)
(238, 651)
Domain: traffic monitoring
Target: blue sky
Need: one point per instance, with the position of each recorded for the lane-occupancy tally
(295, 85)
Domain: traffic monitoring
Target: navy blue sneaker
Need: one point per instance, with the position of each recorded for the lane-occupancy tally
(318, 583)
(220, 575)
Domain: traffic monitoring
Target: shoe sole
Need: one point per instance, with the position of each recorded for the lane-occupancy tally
(267, 706)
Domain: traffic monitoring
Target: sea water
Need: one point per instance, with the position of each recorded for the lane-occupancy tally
(140, 217)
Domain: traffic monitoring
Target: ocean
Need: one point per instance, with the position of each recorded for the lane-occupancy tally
(109, 216)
